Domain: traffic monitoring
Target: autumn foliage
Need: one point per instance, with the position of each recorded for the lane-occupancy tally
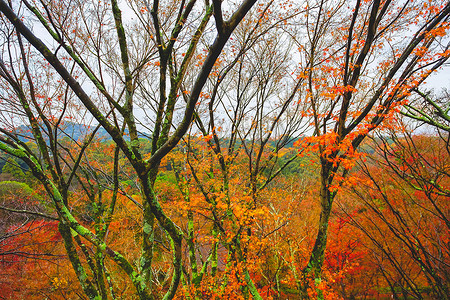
(224, 150)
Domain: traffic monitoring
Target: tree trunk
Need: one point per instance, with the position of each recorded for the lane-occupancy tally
(315, 263)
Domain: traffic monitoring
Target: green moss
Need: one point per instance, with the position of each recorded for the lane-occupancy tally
(73, 232)
(147, 228)
(135, 143)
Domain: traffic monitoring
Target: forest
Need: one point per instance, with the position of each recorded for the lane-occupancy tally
(224, 149)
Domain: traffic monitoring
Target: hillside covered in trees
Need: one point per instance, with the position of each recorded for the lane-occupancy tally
(224, 149)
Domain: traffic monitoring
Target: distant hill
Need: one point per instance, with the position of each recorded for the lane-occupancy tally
(70, 130)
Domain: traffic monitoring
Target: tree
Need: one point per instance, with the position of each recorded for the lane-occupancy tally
(430, 110)
(403, 213)
(247, 116)
(169, 34)
(357, 73)
(217, 94)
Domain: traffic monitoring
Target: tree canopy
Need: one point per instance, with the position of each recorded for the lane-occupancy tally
(227, 149)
